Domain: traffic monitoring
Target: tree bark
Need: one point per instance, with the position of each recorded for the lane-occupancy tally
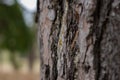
(79, 39)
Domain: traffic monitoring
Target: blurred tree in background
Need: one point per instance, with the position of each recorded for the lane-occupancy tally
(15, 35)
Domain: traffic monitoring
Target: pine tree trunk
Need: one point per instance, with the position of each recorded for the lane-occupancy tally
(79, 39)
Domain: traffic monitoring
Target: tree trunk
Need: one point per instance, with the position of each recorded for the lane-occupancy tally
(31, 57)
(79, 39)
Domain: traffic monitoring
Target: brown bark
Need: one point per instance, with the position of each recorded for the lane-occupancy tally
(79, 39)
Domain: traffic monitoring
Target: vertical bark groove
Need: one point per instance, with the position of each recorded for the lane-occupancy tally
(55, 31)
(101, 17)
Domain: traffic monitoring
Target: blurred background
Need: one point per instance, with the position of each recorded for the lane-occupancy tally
(19, 56)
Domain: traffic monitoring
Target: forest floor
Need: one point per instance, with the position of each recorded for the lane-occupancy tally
(7, 72)
(19, 76)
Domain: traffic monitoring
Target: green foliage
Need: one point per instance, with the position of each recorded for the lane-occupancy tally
(14, 34)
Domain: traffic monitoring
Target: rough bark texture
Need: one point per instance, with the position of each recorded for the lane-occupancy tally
(79, 39)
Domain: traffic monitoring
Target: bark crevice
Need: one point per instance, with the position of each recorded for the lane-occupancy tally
(101, 15)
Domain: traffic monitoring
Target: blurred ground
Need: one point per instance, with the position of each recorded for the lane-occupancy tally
(7, 72)
(19, 76)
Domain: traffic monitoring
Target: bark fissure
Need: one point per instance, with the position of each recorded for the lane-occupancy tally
(61, 41)
(55, 32)
(71, 38)
(101, 19)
